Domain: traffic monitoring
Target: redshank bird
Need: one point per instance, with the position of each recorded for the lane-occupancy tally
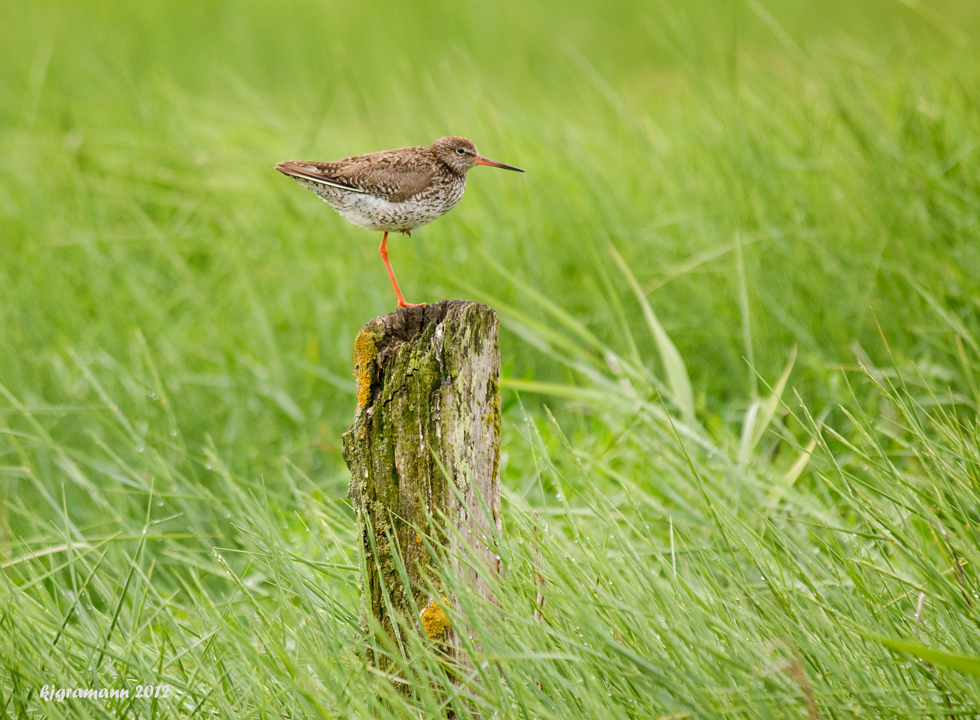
(393, 190)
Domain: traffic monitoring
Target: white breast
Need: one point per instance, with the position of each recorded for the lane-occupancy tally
(375, 213)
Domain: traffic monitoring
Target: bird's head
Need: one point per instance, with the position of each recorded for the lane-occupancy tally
(460, 154)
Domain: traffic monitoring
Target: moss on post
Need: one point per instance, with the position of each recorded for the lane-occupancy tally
(428, 414)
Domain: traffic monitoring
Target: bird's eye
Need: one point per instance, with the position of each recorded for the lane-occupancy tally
(461, 151)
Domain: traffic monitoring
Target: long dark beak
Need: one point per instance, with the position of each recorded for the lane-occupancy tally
(480, 160)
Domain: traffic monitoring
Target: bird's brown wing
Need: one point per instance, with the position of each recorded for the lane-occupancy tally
(395, 175)
(313, 171)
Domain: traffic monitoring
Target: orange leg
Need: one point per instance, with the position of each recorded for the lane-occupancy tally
(391, 273)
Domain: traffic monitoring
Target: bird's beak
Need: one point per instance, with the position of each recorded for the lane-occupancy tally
(480, 160)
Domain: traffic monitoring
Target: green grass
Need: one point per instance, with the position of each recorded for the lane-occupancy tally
(738, 289)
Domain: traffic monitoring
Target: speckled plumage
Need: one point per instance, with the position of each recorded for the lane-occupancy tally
(393, 190)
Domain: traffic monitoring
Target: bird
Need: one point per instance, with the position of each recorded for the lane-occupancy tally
(394, 190)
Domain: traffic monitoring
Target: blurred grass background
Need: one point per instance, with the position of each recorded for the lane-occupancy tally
(177, 320)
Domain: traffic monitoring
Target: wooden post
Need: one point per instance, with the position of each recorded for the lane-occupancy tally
(428, 414)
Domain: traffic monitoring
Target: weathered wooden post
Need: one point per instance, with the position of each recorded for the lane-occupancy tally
(424, 453)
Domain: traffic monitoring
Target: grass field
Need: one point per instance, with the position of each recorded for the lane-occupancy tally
(739, 290)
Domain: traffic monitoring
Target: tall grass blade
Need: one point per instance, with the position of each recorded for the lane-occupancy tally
(677, 378)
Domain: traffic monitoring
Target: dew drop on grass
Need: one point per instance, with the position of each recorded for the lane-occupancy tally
(140, 448)
(173, 432)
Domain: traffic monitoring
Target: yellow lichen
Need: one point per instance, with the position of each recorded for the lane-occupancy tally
(434, 620)
(365, 351)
